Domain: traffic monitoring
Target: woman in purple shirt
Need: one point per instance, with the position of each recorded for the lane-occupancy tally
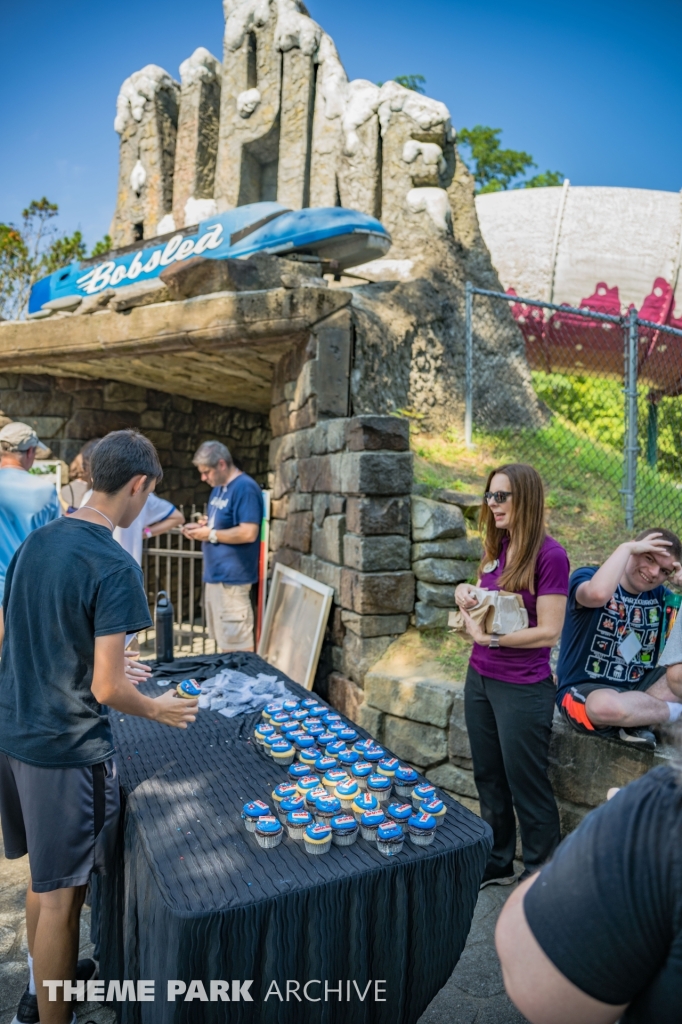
(509, 692)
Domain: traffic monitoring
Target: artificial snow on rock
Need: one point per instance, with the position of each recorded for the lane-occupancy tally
(362, 100)
(434, 202)
(428, 113)
(197, 210)
(386, 270)
(166, 225)
(430, 152)
(138, 176)
(136, 90)
(247, 102)
(202, 66)
(240, 17)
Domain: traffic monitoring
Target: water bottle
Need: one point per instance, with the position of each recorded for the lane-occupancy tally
(163, 614)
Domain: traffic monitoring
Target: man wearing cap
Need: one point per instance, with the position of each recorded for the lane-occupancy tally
(26, 501)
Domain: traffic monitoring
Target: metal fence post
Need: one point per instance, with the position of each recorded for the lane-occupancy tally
(468, 368)
(631, 447)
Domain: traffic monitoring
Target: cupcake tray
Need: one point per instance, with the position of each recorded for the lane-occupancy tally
(195, 896)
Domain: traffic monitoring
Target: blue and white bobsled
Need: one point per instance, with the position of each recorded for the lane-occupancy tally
(330, 233)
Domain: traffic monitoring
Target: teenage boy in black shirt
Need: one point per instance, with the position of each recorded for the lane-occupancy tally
(596, 936)
(71, 596)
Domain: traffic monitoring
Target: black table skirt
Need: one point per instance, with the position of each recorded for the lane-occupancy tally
(194, 896)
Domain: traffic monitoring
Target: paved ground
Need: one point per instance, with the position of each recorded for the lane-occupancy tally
(473, 995)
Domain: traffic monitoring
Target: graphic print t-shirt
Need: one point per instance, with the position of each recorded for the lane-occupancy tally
(591, 637)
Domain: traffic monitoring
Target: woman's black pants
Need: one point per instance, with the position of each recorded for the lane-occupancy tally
(509, 728)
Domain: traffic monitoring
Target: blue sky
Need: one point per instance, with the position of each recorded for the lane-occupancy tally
(590, 89)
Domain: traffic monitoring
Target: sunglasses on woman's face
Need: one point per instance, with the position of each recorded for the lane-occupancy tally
(499, 497)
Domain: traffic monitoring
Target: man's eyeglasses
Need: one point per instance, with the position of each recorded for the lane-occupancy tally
(499, 497)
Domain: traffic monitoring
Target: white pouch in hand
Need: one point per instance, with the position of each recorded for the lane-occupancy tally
(497, 611)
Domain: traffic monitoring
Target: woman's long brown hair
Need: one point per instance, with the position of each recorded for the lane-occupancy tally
(528, 520)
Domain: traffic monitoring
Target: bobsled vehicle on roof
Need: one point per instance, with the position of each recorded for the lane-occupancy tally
(344, 237)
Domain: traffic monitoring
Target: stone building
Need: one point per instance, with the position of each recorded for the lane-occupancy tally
(304, 377)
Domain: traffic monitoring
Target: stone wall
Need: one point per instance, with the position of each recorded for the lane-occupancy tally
(341, 502)
(68, 411)
(421, 719)
(444, 552)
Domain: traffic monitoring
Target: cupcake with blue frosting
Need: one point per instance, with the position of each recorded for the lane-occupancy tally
(282, 753)
(269, 832)
(252, 811)
(262, 730)
(317, 839)
(337, 727)
(374, 754)
(312, 796)
(290, 705)
(331, 716)
(315, 729)
(424, 791)
(318, 712)
(306, 784)
(364, 802)
(300, 715)
(289, 804)
(380, 786)
(309, 756)
(361, 771)
(369, 824)
(347, 734)
(387, 766)
(298, 771)
(326, 737)
(332, 778)
(421, 828)
(269, 741)
(279, 719)
(309, 703)
(303, 741)
(361, 746)
(347, 758)
(334, 748)
(269, 710)
(404, 780)
(400, 813)
(297, 822)
(344, 829)
(326, 806)
(283, 792)
(436, 808)
(347, 792)
(324, 764)
(390, 839)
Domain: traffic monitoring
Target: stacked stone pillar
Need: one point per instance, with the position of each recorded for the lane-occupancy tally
(341, 505)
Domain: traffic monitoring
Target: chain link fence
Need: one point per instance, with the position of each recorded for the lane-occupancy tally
(608, 393)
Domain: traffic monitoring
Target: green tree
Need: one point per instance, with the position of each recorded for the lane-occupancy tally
(496, 169)
(33, 250)
(544, 180)
(102, 247)
(415, 83)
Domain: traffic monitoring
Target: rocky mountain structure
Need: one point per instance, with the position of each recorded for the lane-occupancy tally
(279, 120)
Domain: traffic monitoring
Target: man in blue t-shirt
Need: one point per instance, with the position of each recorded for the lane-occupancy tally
(26, 501)
(609, 684)
(230, 535)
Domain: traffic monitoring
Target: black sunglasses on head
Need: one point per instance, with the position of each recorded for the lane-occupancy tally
(499, 497)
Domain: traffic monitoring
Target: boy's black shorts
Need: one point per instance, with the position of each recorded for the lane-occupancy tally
(572, 701)
(66, 819)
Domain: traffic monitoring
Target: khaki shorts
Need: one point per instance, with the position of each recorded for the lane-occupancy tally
(229, 615)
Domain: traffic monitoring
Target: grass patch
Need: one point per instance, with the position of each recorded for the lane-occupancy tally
(450, 650)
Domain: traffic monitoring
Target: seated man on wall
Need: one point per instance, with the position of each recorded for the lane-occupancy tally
(610, 683)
